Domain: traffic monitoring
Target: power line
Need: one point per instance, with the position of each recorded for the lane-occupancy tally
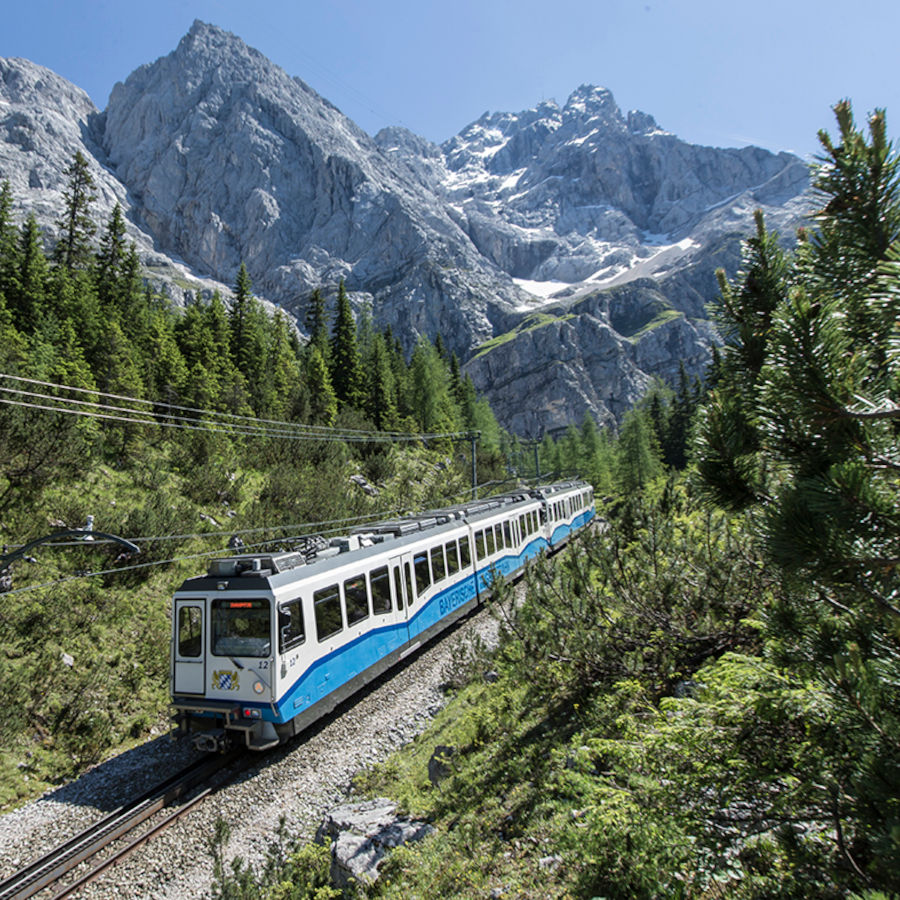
(207, 413)
(216, 534)
(232, 423)
(209, 553)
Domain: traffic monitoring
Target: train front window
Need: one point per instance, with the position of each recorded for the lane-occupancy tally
(190, 623)
(241, 627)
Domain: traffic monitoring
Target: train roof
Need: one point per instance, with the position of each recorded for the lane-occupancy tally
(315, 554)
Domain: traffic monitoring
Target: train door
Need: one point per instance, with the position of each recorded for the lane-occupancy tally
(189, 675)
(404, 588)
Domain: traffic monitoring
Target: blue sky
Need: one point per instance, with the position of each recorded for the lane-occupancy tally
(714, 72)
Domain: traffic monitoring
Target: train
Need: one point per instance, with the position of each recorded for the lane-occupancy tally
(265, 644)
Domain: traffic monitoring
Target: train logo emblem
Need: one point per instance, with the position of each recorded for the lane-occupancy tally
(224, 680)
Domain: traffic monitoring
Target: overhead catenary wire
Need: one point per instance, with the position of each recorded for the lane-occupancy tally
(209, 413)
(202, 420)
(216, 534)
(209, 553)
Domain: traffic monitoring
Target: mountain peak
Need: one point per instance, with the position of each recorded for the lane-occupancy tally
(591, 102)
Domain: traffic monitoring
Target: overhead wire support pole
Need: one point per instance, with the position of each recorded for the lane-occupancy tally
(473, 437)
(81, 533)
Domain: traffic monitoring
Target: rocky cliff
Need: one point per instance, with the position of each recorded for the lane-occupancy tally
(567, 252)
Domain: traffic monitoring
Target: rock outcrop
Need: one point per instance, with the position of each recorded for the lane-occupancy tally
(362, 834)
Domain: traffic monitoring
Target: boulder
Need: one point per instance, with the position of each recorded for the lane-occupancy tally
(362, 834)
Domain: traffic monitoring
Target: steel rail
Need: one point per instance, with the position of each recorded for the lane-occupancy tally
(51, 867)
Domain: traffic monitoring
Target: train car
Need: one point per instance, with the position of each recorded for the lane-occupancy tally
(265, 644)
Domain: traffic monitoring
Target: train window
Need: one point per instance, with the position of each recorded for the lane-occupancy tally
(327, 607)
(357, 598)
(423, 576)
(241, 627)
(452, 558)
(438, 569)
(464, 555)
(480, 546)
(290, 625)
(489, 539)
(410, 593)
(398, 588)
(381, 591)
(507, 535)
(190, 621)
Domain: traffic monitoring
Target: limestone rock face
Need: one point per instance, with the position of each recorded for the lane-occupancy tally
(566, 253)
(44, 121)
(233, 160)
(592, 193)
(597, 356)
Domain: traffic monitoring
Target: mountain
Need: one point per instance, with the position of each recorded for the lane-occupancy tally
(565, 253)
(615, 228)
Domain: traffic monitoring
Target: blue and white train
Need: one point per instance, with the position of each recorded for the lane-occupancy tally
(265, 644)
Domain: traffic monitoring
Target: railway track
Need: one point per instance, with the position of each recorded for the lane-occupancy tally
(120, 827)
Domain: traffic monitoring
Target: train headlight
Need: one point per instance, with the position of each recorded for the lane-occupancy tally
(258, 687)
(252, 713)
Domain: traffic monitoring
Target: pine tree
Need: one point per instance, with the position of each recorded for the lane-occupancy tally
(165, 372)
(9, 242)
(29, 294)
(317, 323)
(248, 324)
(549, 457)
(678, 422)
(76, 226)
(110, 261)
(435, 410)
(639, 459)
(238, 316)
(802, 430)
(282, 368)
(728, 437)
(380, 404)
(322, 398)
(345, 364)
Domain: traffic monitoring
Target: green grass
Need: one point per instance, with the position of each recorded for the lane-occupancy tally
(666, 315)
(529, 323)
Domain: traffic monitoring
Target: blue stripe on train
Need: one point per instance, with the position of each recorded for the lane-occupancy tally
(351, 659)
